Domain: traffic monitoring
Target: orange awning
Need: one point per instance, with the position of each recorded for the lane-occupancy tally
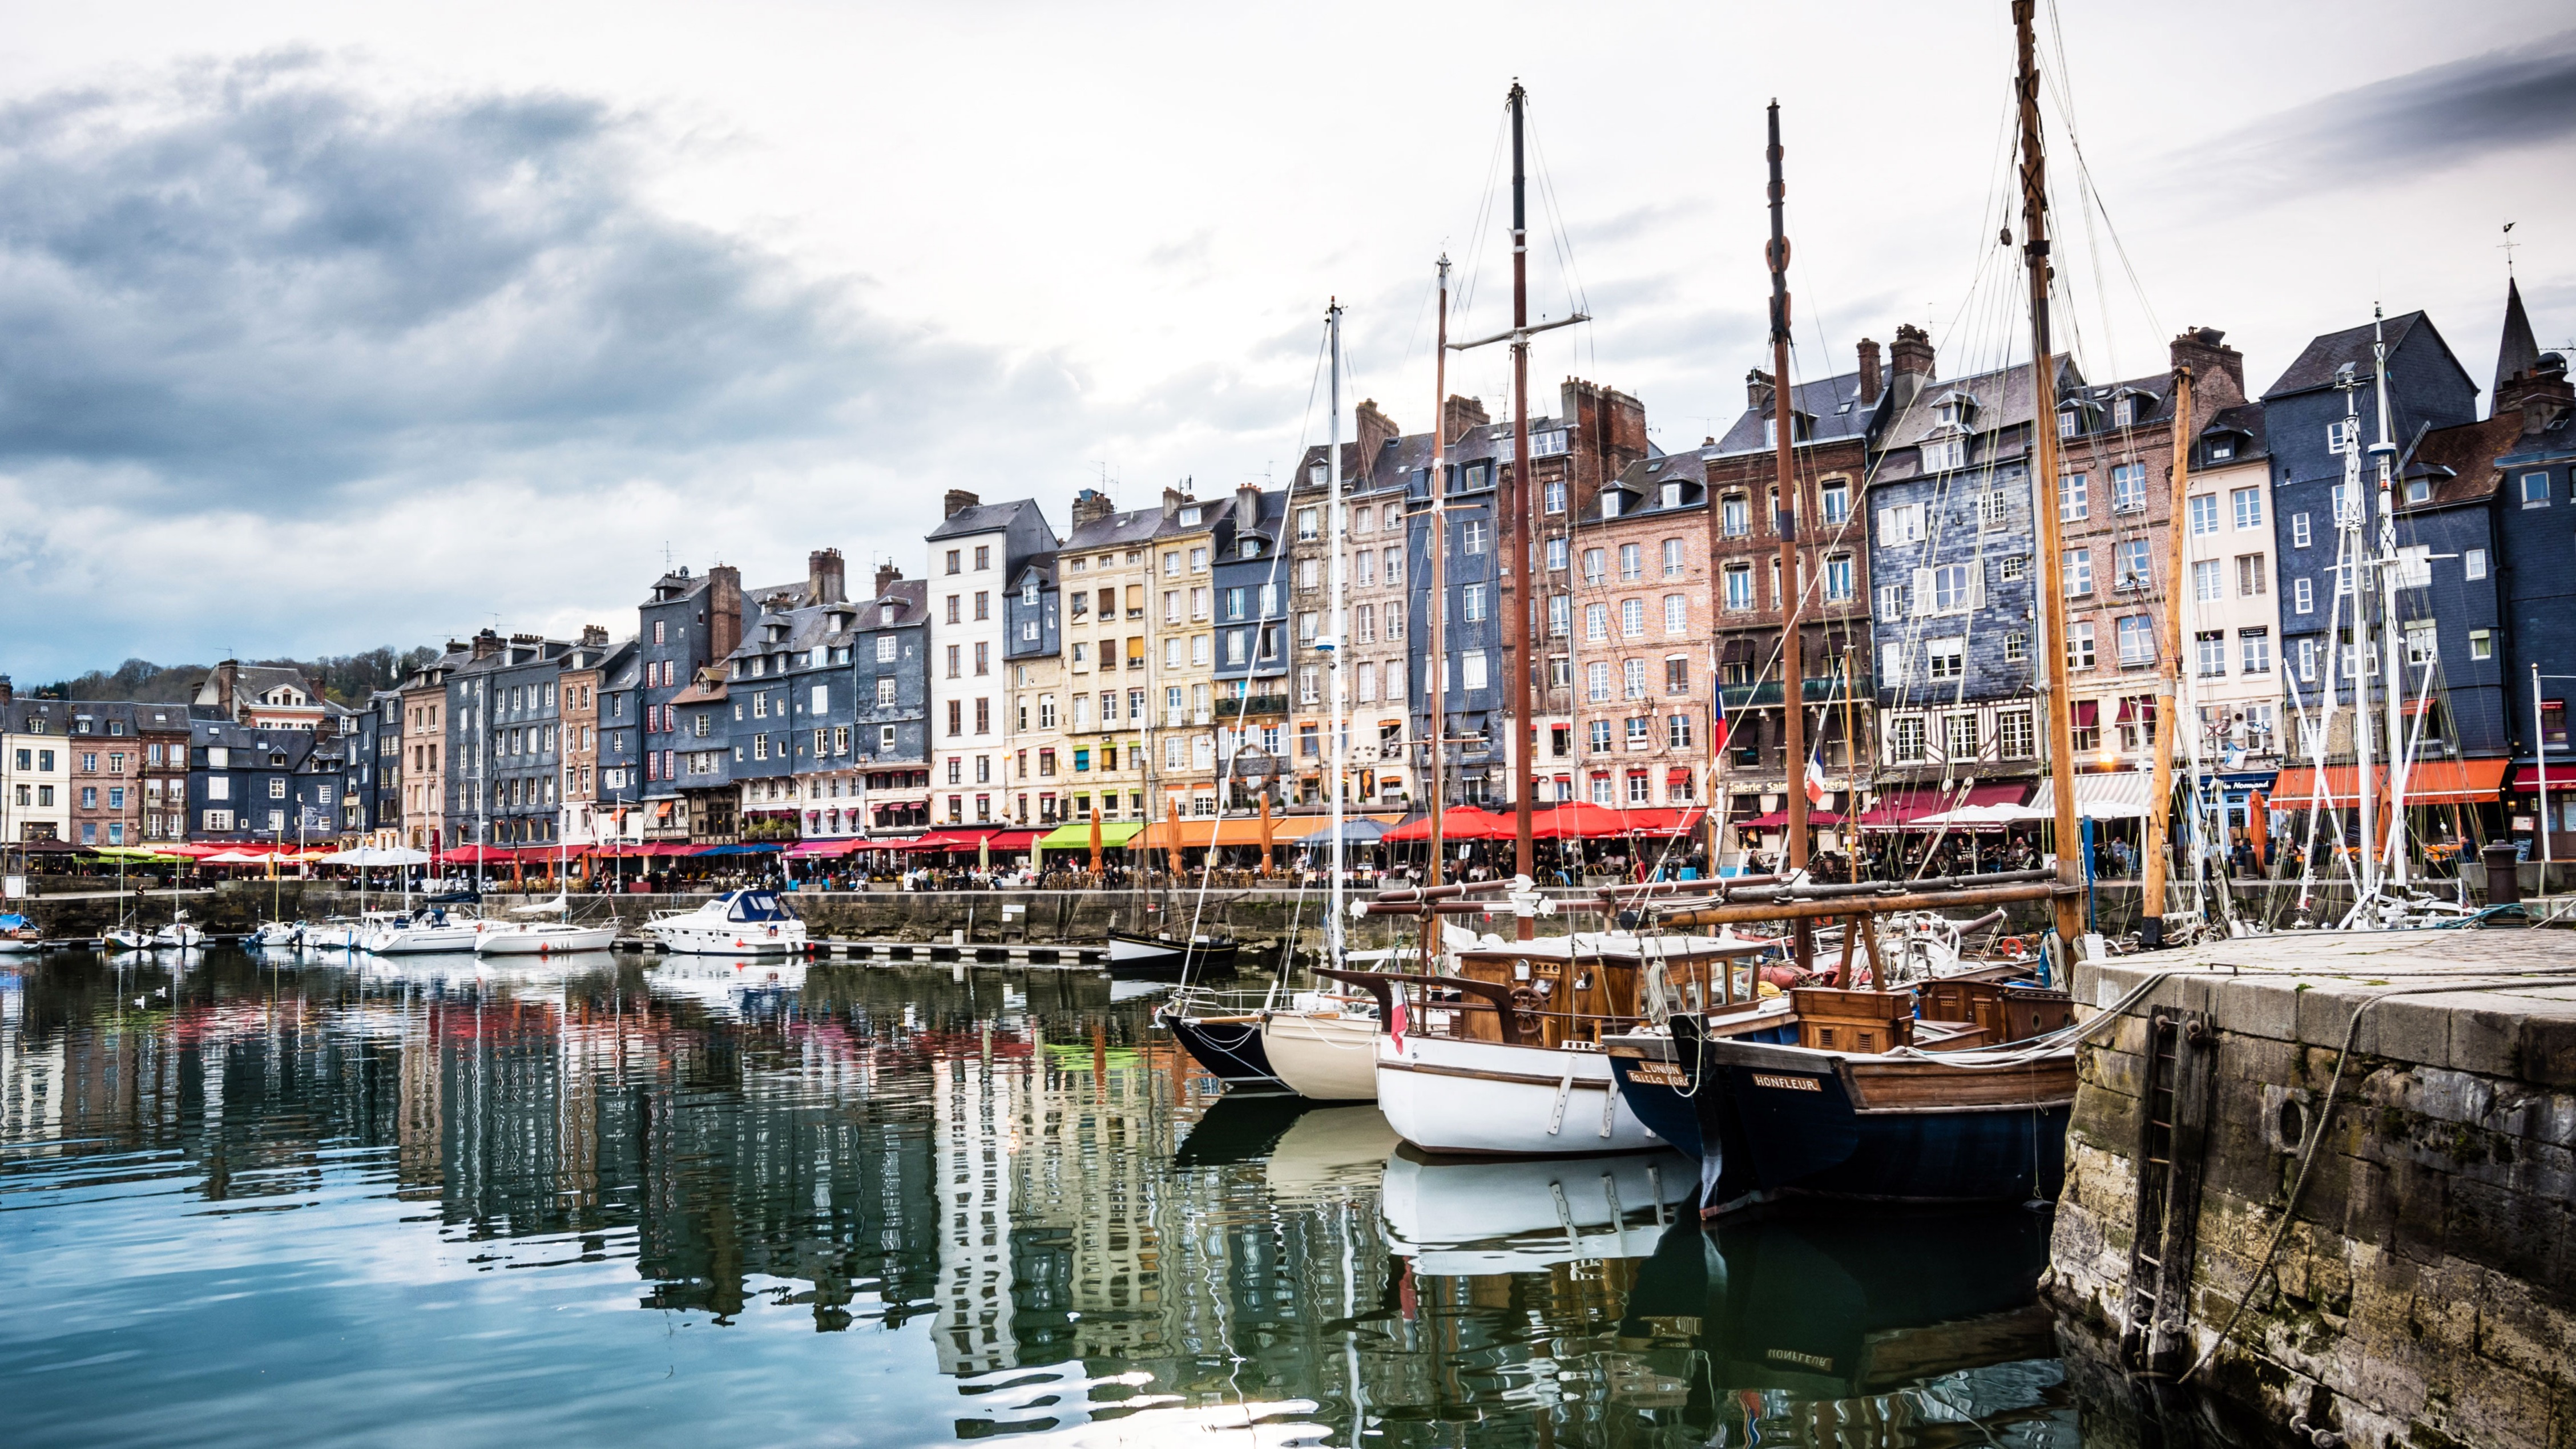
(2430, 782)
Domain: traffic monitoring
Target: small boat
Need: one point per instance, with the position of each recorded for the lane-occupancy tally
(1873, 1103)
(347, 933)
(1136, 954)
(1505, 1057)
(737, 923)
(435, 927)
(178, 935)
(1222, 1036)
(1323, 1046)
(544, 938)
(279, 935)
(129, 938)
(19, 934)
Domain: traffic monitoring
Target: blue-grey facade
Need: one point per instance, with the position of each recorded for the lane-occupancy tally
(890, 675)
(263, 786)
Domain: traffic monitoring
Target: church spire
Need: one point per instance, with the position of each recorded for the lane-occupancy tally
(2519, 352)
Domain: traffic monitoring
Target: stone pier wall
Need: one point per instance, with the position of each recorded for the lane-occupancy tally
(2424, 1294)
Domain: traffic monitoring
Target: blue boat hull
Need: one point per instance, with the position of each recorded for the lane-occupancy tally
(1781, 1131)
(1669, 1107)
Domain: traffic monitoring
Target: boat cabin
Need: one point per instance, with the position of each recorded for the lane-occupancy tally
(1561, 990)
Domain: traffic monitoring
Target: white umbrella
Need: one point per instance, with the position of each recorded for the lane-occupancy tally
(377, 855)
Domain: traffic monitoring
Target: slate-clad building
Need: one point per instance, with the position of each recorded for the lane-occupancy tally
(890, 661)
(522, 695)
(257, 785)
(687, 624)
(2535, 503)
(2448, 605)
(1252, 576)
(1035, 672)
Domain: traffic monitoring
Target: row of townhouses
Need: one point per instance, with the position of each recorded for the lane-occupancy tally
(1173, 661)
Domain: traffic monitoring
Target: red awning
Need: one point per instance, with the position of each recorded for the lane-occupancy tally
(2428, 782)
(1779, 820)
(1579, 820)
(2561, 777)
(1464, 822)
(1014, 840)
(1899, 809)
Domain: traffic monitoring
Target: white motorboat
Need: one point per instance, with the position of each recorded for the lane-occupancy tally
(435, 928)
(178, 935)
(1505, 1057)
(737, 923)
(348, 933)
(279, 934)
(1457, 1218)
(727, 987)
(129, 938)
(18, 935)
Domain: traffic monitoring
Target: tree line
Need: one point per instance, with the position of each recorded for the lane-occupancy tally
(346, 678)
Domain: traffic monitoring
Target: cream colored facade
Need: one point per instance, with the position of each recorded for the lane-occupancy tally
(2231, 623)
(1104, 581)
(1183, 673)
(35, 771)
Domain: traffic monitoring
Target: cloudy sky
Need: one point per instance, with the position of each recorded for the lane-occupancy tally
(328, 326)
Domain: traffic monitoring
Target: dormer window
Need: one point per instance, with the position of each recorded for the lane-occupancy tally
(885, 614)
(2124, 410)
(1315, 475)
(1248, 548)
(1610, 502)
(1672, 495)
(1189, 517)
(2221, 449)
(2066, 422)
(2419, 490)
(1547, 444)
(1029, 594)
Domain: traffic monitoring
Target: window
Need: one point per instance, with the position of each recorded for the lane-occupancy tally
(1633, 677)
(2137, 565)
(1556, 553)
(1994, 509)
(1596, 680)
(1952, 586)
(1632, 561)
(1673, 565)
(2204, 512)
(1839, 582)
(1640, 731)
(1676, 613)
(2014, 739)
(2254, 650)
(2481, 644)
(2137, 641)
(1598, 735)
(2249, 507)
(1905, 738)
(1632, 617)
(2535, 490)
(1945, 658)
(1306, 523)
(2473, 563)
(1834, 498)
(1891, 600)
(1940, 454)
(1554, 495)
(2129, 488)
(2016, 647)
(1676, 674)
(1610, 501)
(2079, 572)
(2208, 581)
(2079, 644)
(1960, 736)
(2422, 643)
(1471, 536)
(1734, 516)
(2303, 598)
(2298, 530)
(1900, 523)
(1472, 669)
(2209, 650)
(2415, 566)
(2252, 579)
(1677, 732)
(1471, 603)
(2071, 498)
(1739, 587)
(1560, 615)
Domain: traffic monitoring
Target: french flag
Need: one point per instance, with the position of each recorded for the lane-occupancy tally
(1816, 791)
(1717, 719)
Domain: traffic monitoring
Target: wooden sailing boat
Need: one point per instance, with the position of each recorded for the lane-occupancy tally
(1878, 1096)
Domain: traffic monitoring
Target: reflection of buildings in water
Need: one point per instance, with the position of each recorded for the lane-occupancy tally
(31, 1076)
(971, 1146)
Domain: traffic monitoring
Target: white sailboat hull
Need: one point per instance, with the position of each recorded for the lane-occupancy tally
(544, 940)
(1322, 1056)
(1479, 1098)
(685, 936)
(421, 940)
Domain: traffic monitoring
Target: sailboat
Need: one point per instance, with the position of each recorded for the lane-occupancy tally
(546, 938)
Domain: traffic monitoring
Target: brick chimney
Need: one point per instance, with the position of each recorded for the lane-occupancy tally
(1757, 391)
(724, 610)
(2217, 370)
(1461, 413)
(486, 644)
(1910, 362)
(594, 636)
(1375, 430)
(1247, 507)
(2541, 393)
(957, 502)
(8, 691)
(1870, 380)
(826, 581)
(1173, 498)
(887, 577)
(1090, 506)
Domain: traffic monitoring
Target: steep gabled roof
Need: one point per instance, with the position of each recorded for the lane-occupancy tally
(2326, 353)
(983, 518)
(1832, 406)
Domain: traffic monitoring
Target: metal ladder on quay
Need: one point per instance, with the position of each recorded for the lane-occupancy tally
(2174, 1108)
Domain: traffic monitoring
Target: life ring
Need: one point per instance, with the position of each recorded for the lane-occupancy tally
(2013, 948)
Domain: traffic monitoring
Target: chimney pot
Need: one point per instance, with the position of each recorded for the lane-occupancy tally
(1869, 374)
(957, 501)
(1757, 390)
(1090, 506)
(825, 577)
(887, 577)
(1461, 413)
(1910, 361)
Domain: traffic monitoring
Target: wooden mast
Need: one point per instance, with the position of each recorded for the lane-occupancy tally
(2151, 921)
(1792, 598)
(1439, 550)
(2069, 908)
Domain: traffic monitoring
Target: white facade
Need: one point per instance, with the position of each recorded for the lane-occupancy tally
(2231, 620)
(969, 724)
(35, 771)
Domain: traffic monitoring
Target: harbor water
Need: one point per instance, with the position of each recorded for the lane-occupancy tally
(253, 1200)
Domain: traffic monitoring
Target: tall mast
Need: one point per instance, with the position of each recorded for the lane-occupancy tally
(2384, 453)
(1439, 549)
(2151, 926)
(2068, 906)
(1518, 755)
(2354, 581)
(1333, 628)
(1784, 468)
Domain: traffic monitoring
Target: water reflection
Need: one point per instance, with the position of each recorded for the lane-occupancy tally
(268, 1200)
